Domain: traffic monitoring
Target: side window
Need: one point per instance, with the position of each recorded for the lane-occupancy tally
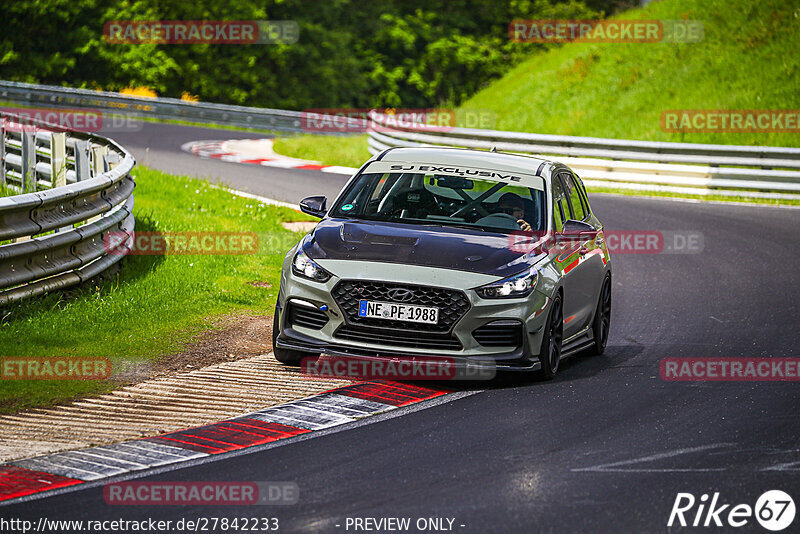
(573, 192)
(560, 206)
(584, 197)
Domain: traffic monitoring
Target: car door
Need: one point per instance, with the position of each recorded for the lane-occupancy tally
(563, 252)
(581, 262)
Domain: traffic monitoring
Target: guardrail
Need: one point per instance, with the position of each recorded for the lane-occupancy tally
(729, 170)
(75, 188)
(159, 108)
(684, 168)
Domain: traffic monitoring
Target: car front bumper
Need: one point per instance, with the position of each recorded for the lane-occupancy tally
(528, 313)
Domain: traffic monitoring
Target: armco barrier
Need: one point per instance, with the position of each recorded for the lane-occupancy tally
(49, 96)
(769, 172)
(74, 188)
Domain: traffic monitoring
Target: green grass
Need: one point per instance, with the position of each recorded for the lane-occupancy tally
(155, 305)
(745, 61)
(348, 151)
(5, 191)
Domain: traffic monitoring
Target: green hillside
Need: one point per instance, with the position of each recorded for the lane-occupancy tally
(747, 60)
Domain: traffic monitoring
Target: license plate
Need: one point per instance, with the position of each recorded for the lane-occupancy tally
(398, 312)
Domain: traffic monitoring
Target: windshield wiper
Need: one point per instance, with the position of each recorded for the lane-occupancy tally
(458, 225)
(425, 222)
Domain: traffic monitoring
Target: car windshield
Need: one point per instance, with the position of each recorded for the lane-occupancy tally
(443, 200)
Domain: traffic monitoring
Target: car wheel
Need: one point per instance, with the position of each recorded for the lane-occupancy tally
(287, 356)
(550, 353)
(602, 318)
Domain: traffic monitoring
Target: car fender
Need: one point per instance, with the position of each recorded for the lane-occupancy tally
(550, 278)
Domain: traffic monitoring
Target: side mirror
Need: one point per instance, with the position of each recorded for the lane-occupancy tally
(576, 231)
(314, 206)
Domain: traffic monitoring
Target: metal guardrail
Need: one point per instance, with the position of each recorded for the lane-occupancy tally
(759, 172)
(730, 170)
(75, 189)
(159, 108)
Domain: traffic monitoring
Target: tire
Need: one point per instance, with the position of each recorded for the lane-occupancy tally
(287, 356)
(602, 319)
(550, 352)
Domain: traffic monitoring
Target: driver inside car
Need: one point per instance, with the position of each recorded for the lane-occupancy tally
(512, 204)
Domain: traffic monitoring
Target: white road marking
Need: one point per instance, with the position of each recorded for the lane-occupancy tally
(616, 466)
(788, 466)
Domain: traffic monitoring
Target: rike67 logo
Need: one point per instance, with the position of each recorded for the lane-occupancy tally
(774, 510)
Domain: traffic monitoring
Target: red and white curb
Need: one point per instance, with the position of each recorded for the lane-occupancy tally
(256, 152)
(324, 410)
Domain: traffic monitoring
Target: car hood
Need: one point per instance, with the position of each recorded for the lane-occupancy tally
(431, 246)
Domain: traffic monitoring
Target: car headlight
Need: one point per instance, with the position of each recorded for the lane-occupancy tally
(519, 285)
(304, 266)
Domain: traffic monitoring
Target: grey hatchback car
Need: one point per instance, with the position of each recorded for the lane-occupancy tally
(449, 253)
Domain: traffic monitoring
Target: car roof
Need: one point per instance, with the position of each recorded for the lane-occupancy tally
(498, 161)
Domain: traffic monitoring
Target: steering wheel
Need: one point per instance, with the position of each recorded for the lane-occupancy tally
(473, 215)
(469, 209)
(499, 220)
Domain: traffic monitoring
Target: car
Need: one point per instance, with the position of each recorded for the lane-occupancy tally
(449, 253)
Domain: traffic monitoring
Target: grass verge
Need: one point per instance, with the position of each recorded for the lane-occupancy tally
(348, 151)
(156, 304)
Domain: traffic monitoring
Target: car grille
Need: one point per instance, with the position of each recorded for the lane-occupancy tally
(499, 334)
(380, 336)
(452, 304)
(305, 316)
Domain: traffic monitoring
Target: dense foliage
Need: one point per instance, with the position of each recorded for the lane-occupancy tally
(409, 53)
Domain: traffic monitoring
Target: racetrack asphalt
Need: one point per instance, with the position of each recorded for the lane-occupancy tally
(605, 447)
(158, 145)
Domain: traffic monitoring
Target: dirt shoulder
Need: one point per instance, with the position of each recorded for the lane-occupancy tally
(221, 373)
